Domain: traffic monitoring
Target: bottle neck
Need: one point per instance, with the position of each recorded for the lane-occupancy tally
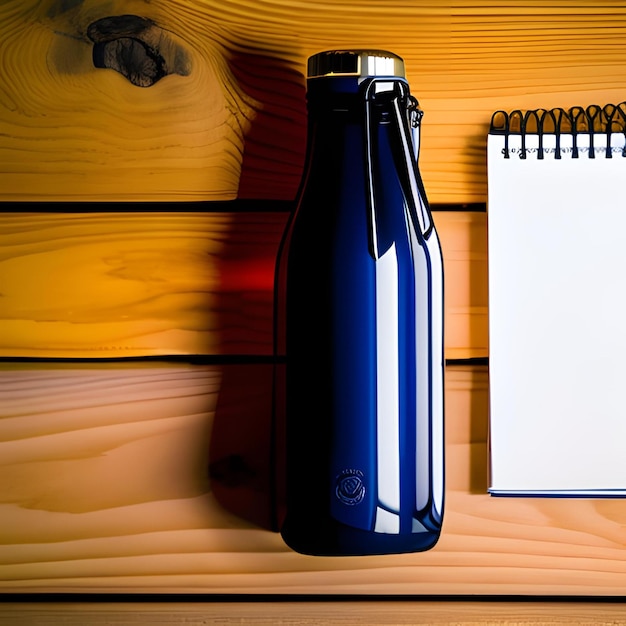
(372, 122)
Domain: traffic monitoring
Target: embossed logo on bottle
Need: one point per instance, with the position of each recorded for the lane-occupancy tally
(350, 488)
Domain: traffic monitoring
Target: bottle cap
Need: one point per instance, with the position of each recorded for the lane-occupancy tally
(360, 63)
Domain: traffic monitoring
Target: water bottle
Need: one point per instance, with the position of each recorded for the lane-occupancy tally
(359, 333)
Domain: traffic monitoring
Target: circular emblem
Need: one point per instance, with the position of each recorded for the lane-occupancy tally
(349, 487)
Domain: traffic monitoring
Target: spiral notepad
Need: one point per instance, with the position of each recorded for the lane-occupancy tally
(557, 301)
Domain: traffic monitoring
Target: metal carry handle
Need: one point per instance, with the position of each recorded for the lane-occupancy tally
(406, 117)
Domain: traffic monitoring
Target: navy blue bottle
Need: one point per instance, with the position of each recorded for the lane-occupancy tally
(360, 321)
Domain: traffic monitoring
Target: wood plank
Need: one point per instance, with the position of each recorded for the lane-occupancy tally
(228, 117)
(104, 488)
(360, 613)
(93, 285)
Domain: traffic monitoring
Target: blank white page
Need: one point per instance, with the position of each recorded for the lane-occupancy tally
(557, 317)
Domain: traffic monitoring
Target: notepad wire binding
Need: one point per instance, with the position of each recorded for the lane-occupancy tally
(575, 121)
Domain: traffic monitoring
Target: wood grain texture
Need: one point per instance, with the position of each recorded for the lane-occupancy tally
(153, 284)
(359, 613)
(104, 488)
(228, 117)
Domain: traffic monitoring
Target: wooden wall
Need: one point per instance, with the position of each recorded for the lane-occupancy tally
(121, 474)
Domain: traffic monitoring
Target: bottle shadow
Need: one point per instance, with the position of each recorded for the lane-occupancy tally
(274, 146)
(246, 451)
(242, 450)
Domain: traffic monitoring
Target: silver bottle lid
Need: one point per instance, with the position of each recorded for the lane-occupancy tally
(361, 63)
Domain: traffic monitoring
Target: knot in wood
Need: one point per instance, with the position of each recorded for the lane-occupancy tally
(135, 47)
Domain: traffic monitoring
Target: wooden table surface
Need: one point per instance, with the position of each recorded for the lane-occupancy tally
(136, 339)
